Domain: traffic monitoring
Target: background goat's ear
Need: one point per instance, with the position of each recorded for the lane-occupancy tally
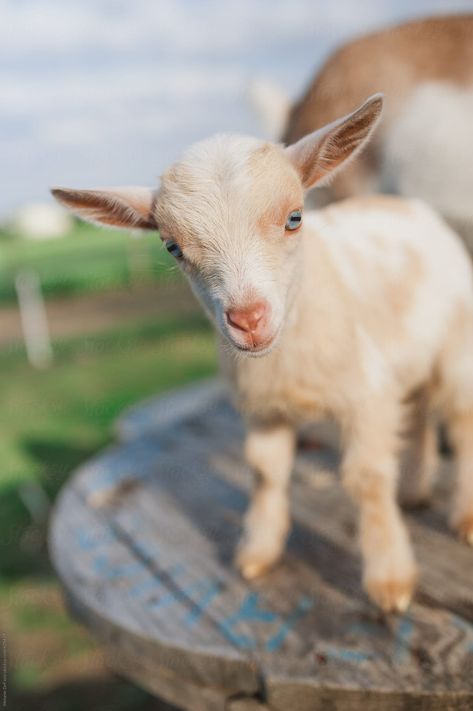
(130, 208)
(320, 154)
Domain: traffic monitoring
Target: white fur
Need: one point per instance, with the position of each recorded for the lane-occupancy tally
(349, 233)
(444, 144)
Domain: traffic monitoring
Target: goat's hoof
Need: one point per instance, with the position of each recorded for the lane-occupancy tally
(464, 528)
(253, 560)
(391, 595)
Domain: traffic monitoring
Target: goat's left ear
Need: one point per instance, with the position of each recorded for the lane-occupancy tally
(320, 154)
(130, 208)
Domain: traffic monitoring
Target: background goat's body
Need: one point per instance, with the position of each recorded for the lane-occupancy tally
(424, 146)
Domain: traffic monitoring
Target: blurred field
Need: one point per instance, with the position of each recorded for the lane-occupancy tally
(87, 259)
(52, 420)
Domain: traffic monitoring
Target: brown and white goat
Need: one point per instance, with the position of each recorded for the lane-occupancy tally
(362, 312)
(424, 147)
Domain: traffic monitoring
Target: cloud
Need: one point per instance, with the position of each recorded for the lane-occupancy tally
(183, 27)
(110, 90)
(78, 89)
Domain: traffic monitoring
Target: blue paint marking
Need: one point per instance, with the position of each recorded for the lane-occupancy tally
(466, 627)
(85, 540)
(249, 611)
(211, 589)
(103, 566)
(208, 587)
(135, 525)
(368, 629)
(88, 542)
(153, 583)
(165, 601)
(402, 640)
(176, 570)
(145, 551)
(348, 655)
(145, 586)
(303, 606)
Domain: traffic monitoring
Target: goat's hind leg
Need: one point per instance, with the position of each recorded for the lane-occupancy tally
(270, 452)
(461, 431)
(420, 459)
(456, 394)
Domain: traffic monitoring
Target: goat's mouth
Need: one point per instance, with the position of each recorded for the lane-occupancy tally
(259, 350)
(255, 350)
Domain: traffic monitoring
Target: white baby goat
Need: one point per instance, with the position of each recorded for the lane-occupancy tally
(362, 312)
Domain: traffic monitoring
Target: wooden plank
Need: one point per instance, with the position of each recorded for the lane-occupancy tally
(143, 539)
(371, 627)
(313, 698)
(117, 594)
(446, 563)
(154, 414)
(172, 688)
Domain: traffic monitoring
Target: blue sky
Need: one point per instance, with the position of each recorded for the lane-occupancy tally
(104, 92)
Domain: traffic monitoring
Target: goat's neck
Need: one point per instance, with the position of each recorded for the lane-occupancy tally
(316, 292)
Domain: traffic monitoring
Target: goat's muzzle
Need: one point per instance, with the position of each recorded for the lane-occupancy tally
(249, 325)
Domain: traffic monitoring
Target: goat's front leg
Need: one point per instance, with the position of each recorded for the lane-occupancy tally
(370, 471)
(270, 452)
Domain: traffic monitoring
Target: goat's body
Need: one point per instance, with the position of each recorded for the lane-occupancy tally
(380, 330)
(358, 312)
(383, 280)
(395, 60)
(423, 149)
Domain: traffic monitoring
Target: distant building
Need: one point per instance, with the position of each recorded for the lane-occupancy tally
(41, 221)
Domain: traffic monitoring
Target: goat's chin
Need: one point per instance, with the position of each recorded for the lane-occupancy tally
(257, 351)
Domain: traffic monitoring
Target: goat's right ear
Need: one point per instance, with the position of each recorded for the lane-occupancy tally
(130, 208)
(318, 156)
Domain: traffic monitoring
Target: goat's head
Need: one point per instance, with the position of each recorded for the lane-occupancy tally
(230, 212)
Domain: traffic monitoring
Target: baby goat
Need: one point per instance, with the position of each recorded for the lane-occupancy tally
(362, 312)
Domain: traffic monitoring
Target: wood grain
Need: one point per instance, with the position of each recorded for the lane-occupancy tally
(143, 538)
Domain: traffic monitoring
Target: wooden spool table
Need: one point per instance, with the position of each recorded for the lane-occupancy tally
(143, 536)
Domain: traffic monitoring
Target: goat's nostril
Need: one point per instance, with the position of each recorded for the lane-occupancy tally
(239, 320)
(246, 319)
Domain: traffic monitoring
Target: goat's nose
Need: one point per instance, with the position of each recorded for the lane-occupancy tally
(249, 318)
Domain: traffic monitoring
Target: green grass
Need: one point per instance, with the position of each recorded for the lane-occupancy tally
(88, 259)
(53, 420)
(27, 675)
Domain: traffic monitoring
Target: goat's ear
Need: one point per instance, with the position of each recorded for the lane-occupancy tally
(130, 208)
(320, 154)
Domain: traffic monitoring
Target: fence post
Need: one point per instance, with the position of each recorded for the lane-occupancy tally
(34, 321)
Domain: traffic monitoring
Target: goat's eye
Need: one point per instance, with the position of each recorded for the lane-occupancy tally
(174, 249)
(294, 220)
